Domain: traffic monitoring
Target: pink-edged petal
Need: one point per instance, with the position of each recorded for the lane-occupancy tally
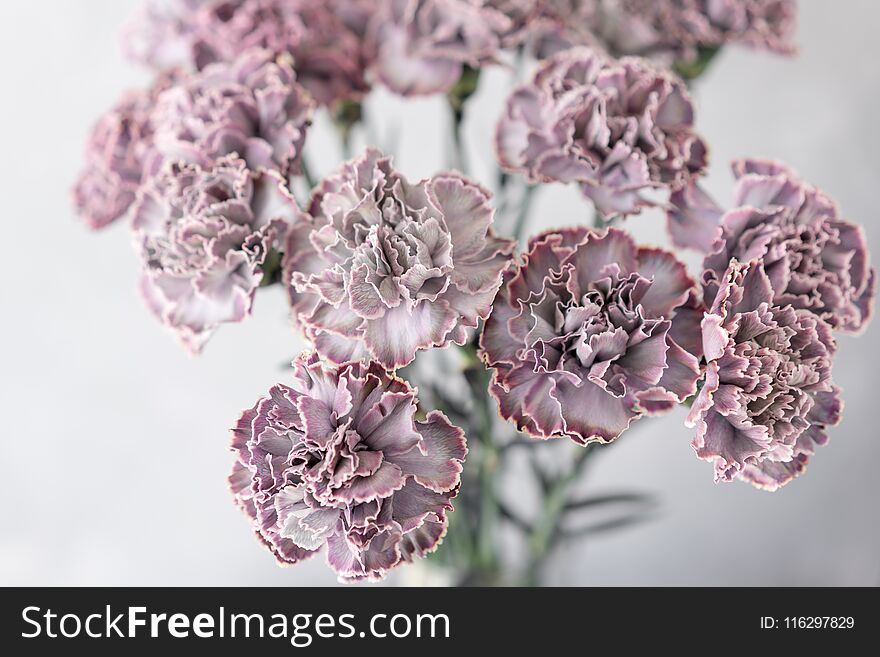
(436, 462)
(670, 282)
(394, 338)
(693, 219)
(591, 414)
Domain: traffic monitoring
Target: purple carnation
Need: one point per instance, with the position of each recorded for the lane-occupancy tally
(523, 16)
(204, 235)
(768, 396)
(385, 267)
(252, 106)
(615, 127)
(162, 33)
(420, 47)
(339, 459)
(193, 34)
(667, 30)
(119, 155)
(586, 335)
(564, 24)
(815, 259)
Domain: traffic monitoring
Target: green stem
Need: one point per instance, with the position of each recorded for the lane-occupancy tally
(486, 541)
(306, 173)
(501, 194)
(271, 268)
(345, 144)
(522, 219)
(519, 64)
(600, 223)
(471, 544)
(487, 553)
(457, 99)
(689, 71)
(346, 116)
(459, 153)
(546, 531)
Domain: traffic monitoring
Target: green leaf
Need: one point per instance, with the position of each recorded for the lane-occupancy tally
(691, 70)
(271, 268)
(610, 498)
(605, 526)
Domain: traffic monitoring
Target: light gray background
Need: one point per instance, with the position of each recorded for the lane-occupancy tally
(114, 442)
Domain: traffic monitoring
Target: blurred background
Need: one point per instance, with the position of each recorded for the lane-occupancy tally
(114, 441)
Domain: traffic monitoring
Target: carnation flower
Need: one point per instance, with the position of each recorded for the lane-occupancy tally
(615, 127)
(585, 335)
(421, 47)
(768, 396)
(339, 459)
(119, 156)
(384, 267)
(668, 30)
(252, 107)
(523, 16)
(163, 33)
(204, 235)
(193, 34)
(815, 259)
(564, 24)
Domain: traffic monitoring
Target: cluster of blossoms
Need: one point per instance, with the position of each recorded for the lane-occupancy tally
(589, 332)
(666, 30)
(418, 47)
(324, 37)
(252, 106)
(584, 333)
(378, 269)
(202, 162)
(615, 127)
(338, 459)
(783, 269)
(413, 46)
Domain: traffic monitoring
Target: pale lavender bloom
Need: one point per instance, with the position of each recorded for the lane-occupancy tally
(666, 30)
(163, 33)
(328, 54)
(768, 396)
(119, 156)
(252, 106)
(617, 128)
(523, 15)
(815, 259)
(564, 24)
(385, 267)
(587, 335)
(338, 459)
(421, 47)
(204, 235)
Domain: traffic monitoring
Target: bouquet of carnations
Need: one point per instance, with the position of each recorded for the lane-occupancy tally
(444, 338)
